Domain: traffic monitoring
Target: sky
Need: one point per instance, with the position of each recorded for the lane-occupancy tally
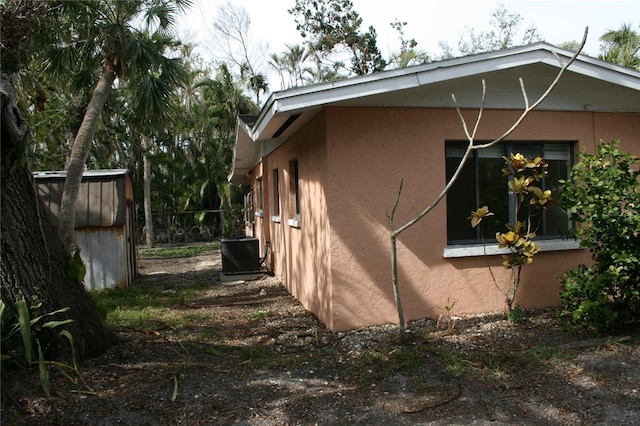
(428, 21)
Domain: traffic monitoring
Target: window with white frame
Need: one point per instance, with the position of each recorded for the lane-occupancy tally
(260, 195)
(276, 195)
(481, 184)
(294, 191)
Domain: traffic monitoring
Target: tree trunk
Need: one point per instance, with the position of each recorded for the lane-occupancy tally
(79, 155)
(33, 260)
(148, 218)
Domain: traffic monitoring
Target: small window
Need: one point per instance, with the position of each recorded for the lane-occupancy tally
(294, 191)
(260, 195)
(276, 196)
(481, 184)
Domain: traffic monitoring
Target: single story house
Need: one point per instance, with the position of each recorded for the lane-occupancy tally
(324, 164)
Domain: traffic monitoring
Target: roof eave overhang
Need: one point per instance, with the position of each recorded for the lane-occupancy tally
(297, 100)
(309, 100)
(246, 154)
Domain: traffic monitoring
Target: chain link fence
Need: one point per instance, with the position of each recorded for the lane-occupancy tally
(182, 227)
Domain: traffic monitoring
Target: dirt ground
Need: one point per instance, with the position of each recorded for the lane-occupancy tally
(257, 357)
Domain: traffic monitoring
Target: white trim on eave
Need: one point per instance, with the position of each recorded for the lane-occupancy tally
(246, 153)
(281, 106)
(323, 94)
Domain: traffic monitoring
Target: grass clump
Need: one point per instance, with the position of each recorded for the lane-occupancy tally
(257, 315)
(142, 297)
(149, 309)
(378, 363)
(178, 251)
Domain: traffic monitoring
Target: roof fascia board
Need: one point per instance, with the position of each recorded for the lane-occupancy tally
(302, 99)
(296, 100)
(250, 148)
(467, 70)
(327, 93)
(337, 94)
(232, 172)
(237, 142)
(617, 75)
(271, 108)
(614, 75)
(278, 101)
(87, 173)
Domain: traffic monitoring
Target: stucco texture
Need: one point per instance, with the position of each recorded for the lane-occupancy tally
(300, 254)
(351, 162)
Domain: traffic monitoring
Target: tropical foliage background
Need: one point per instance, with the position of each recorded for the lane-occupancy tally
(99, 84)
(168, 116)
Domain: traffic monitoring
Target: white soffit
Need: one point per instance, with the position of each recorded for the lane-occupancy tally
(588, 84)
(393, 88)
(246, 153)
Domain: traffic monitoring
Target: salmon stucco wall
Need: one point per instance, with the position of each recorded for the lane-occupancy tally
(299, 246)
(368, 152)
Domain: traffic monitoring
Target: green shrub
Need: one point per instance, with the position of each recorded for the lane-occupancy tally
(523, 174)
(21, 333)
(516, 314)
(585, 301)
(603, 197)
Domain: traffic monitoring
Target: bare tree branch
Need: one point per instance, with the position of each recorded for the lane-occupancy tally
(470, 148)
(395, 205)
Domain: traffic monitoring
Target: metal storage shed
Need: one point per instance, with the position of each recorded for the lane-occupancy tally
(104, 223)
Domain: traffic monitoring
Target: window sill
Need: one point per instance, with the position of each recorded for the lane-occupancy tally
(294, 222)
(275, 219)
(259, 213)
(470, 250)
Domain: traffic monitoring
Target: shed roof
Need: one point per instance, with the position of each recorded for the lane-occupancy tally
(588, 85)
(95, 174)
(102, 197)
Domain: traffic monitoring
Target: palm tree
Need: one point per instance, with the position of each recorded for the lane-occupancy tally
(408, 54)
(295, 57)
(291, 62)
(152, 88)
(277, 63)
(256, 82)
(225, 102)
(103, 38)
(621, 47)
